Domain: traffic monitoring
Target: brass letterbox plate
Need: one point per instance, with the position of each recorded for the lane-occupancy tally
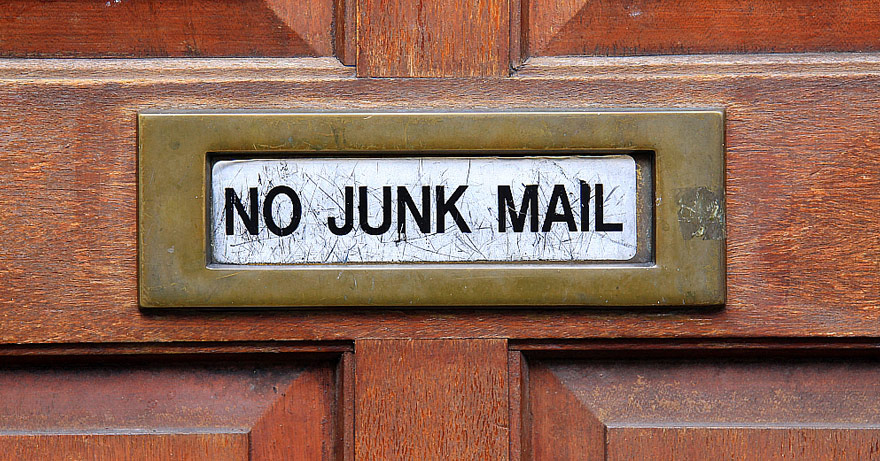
(298, 209)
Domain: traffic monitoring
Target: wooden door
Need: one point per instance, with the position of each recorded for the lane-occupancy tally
(787, 368)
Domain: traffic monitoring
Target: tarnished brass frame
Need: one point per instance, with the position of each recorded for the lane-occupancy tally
(173, 186)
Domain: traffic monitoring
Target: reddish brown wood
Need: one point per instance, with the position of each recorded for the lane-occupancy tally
(638, 27)
(146, 447)
(743, 443)
(299, 424)
(144, 28)
(684, 409)
(421, 38)
(314, 349)
(143, 410)
(560, 426)
(519, 396)
(345, 26)
(431, 399)
(518, 39)
(803, 169)
(672, 347)
(345, 391)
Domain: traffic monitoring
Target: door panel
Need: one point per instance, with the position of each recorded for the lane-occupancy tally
(141, 408)
(640, 27)
(698, 409)
(162, 28)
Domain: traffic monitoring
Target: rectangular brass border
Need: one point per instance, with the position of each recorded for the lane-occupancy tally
(688, 269)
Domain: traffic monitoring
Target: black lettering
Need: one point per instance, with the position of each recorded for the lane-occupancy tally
(405, 201)
(585, 207)
(559, 196)
(518, 219)
(363, 211)
(448, 206)
(349, 214)
(601, 225)
(295, 213)
(233, 202)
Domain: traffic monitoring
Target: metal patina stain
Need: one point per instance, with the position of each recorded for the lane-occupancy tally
(700, 214)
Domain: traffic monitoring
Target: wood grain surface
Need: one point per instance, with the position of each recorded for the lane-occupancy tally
(803, 192)
(431, 399)
(559, 426)
(325, 349)
(154, 28)
(421, 38)
(345, 29)
(517, 395)
(301, 422)
(144, 408)
(345, 398)
(134, 447)
(693, 409)
(642, 27)
(743, 443)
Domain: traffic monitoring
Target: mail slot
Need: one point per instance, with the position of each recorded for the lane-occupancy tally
(431, 209)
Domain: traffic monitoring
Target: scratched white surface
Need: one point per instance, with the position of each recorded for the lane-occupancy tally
(320, 183)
